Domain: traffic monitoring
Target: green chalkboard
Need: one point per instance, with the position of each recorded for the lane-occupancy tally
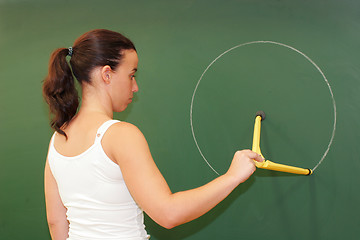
(176, 42)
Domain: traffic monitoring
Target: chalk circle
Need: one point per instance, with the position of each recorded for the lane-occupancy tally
(278, 44)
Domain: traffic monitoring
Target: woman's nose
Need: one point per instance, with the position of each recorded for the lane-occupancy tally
(135, 87)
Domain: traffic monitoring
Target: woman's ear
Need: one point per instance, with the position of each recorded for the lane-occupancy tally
(106, 72)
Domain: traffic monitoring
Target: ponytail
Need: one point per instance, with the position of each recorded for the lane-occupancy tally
(59, 91)
(99, 47)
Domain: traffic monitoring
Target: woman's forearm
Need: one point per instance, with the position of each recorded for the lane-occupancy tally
(185, 206)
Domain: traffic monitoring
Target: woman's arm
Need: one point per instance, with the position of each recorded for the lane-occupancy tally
(55, 210)
(126, 145)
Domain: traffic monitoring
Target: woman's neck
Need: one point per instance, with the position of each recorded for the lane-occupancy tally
(95, 102)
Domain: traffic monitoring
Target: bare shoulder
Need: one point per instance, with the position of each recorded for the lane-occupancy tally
(123, 138)
(121, 130)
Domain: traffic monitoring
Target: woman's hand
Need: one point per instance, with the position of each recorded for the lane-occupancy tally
(243, 165)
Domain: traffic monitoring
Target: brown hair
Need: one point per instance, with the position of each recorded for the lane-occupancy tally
(95, 48)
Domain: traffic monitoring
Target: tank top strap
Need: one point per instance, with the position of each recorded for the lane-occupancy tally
(103, 128)
(52, 140)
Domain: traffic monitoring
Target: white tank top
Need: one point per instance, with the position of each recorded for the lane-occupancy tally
(92, 188)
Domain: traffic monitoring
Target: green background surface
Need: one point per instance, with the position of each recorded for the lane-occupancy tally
(176, 41)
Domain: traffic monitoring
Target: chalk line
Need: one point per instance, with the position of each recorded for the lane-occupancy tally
(265, 42)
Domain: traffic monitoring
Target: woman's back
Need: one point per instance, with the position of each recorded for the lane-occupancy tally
(81, 132)
(92, 188)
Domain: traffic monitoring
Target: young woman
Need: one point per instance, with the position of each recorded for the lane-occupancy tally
(99, 173)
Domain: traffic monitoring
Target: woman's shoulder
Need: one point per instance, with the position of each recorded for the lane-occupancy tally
(122, 127)
(124, 132)
(123, 138)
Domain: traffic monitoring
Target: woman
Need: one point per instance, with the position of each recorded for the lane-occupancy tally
(91, 156)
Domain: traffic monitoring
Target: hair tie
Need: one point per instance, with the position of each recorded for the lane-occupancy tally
(70, 53)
